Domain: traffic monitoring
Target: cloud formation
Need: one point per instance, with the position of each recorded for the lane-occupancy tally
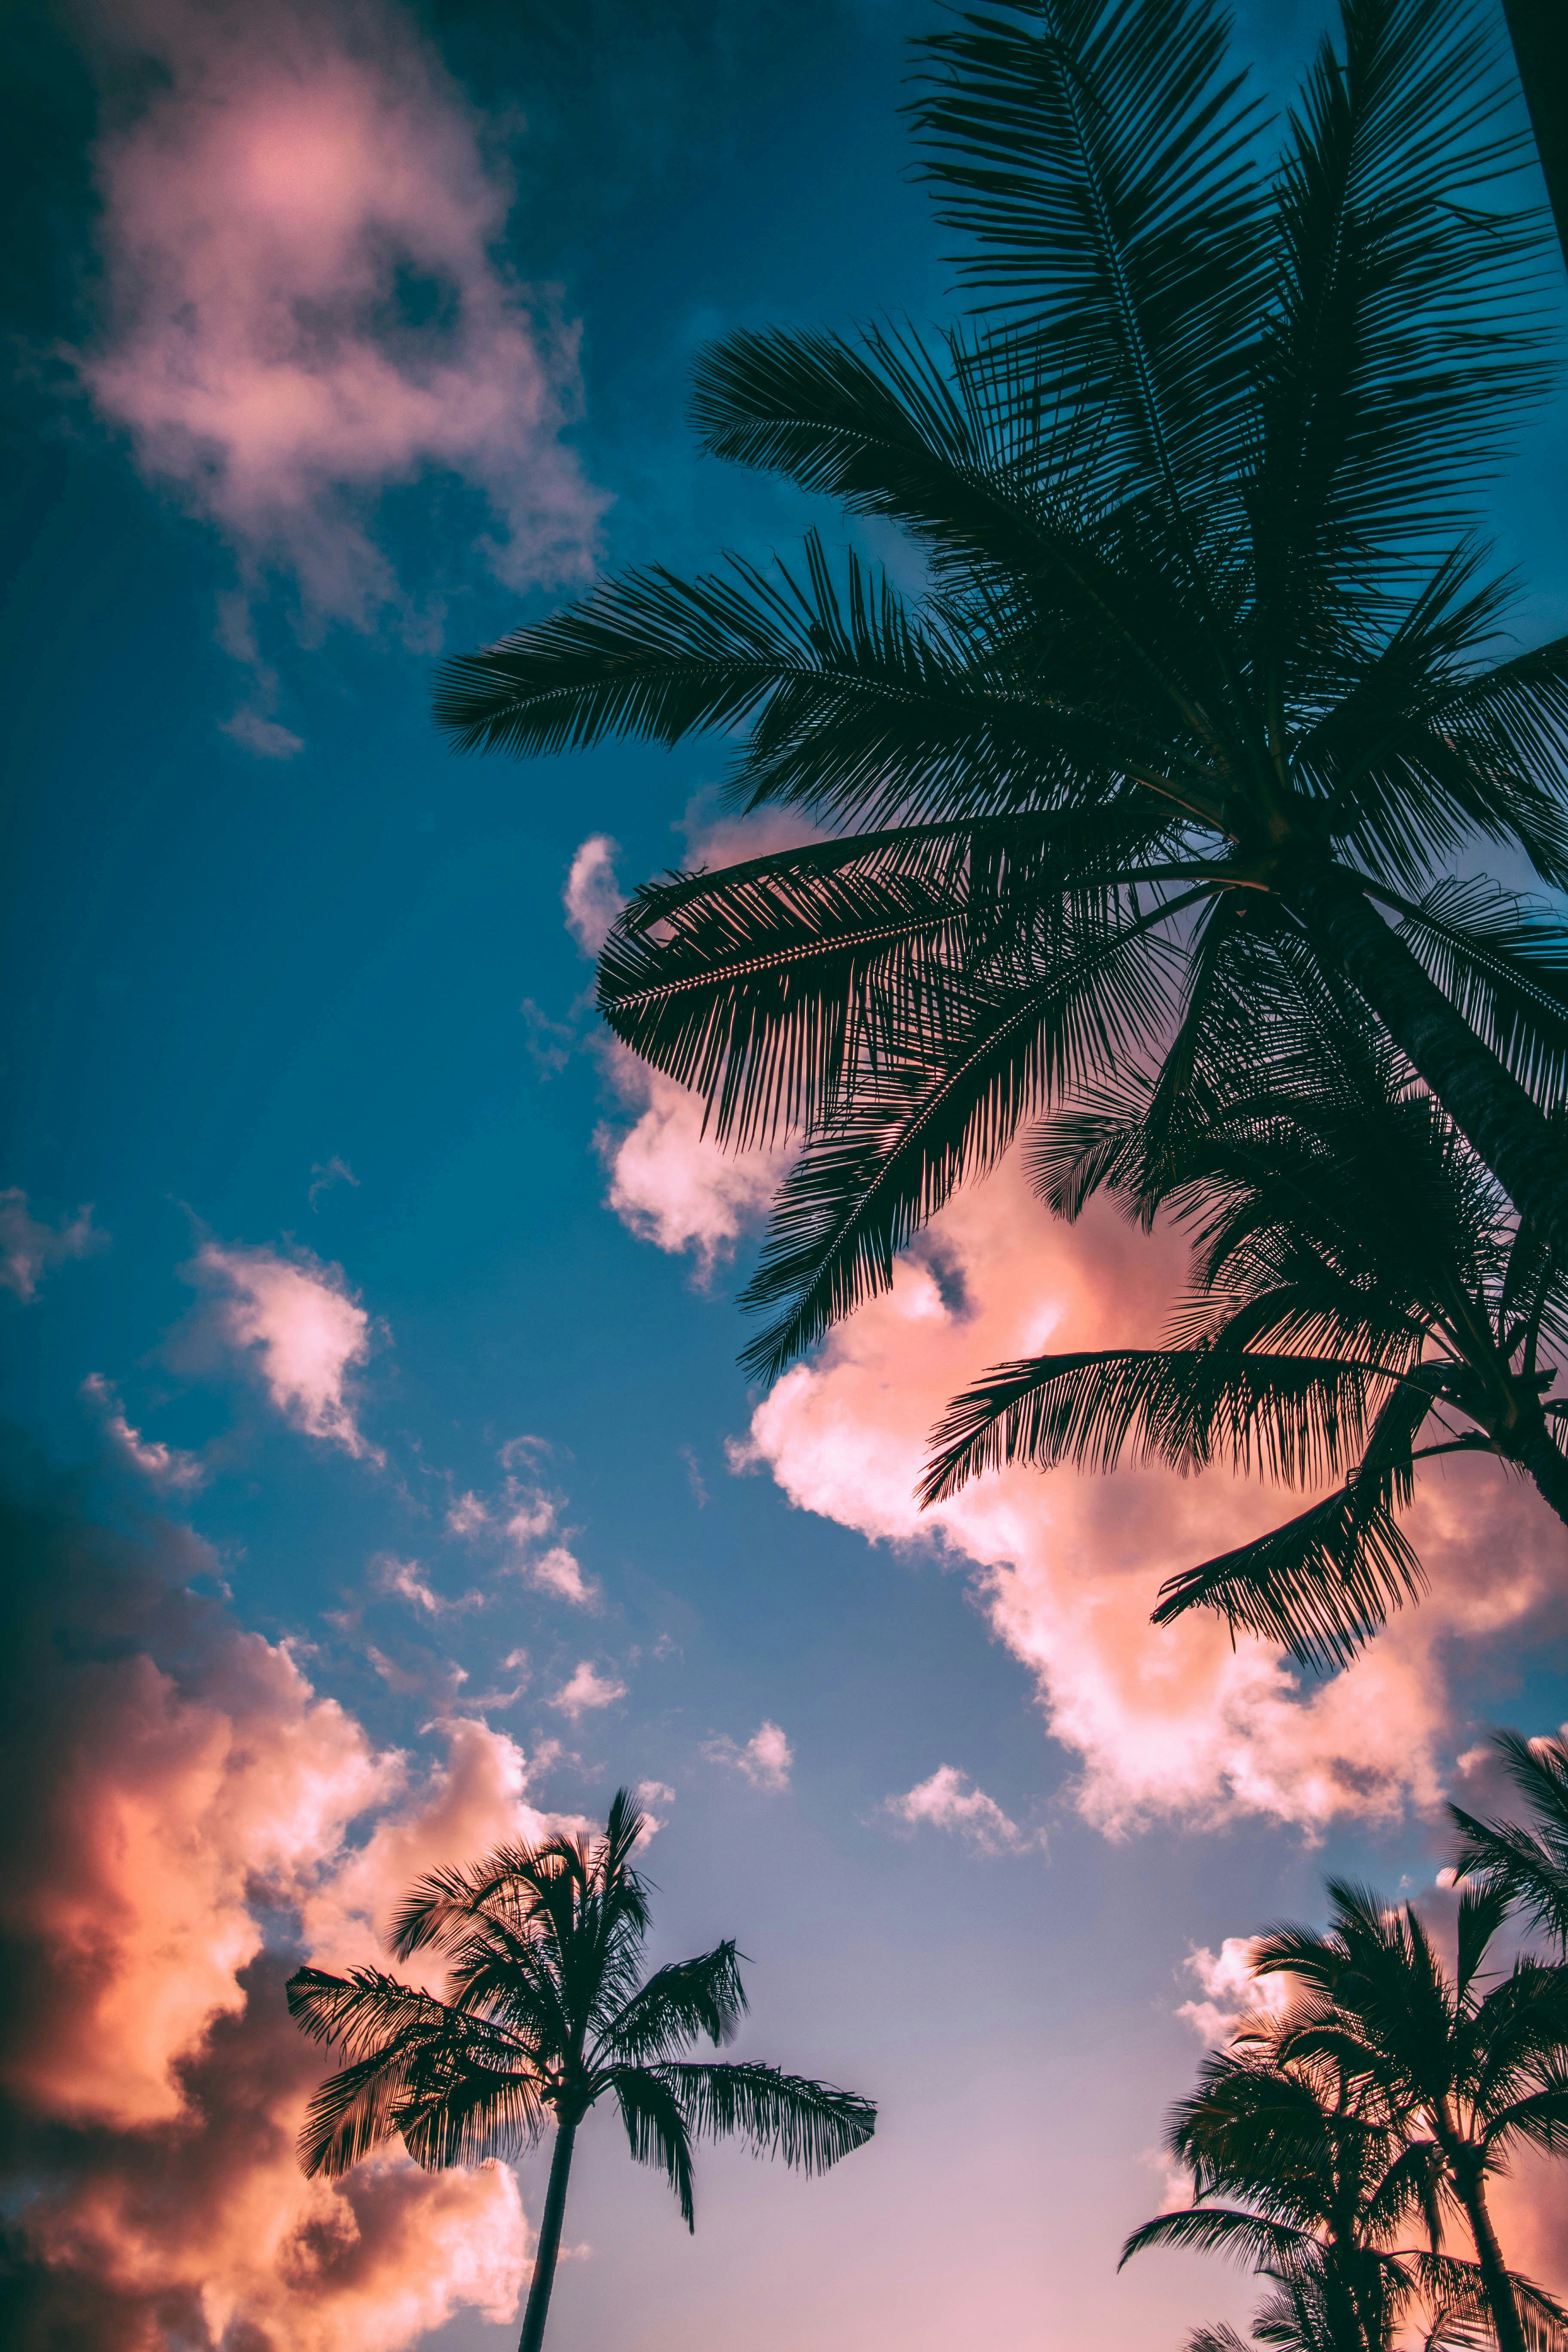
(520, 1525)
(669, 1183)
(1229, 1989)
(168, 1467)
(187, 1785)
(766, 1759)
(306, 306)
(1164, 1724)
(949, 1799)
(303, 1328)
(29, 1248)
(586, 1691)
(592, 897)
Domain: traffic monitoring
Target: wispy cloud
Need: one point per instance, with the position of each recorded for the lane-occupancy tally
(587, 1692)
(765, 1759)
(949, 1799)
(306, 306)
(169, 1467)
(303, 1328)
(29, 1248)
(328, 1172)
(592, 897)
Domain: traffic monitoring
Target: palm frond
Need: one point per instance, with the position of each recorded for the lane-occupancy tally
(679, 2003)
(656, 2130)
(810, 2125)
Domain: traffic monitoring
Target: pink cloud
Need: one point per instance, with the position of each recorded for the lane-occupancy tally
(304, 1328)
(949, 1799)
(515, 1522)
(765, 1761)
(29, 1249)
(1165, 1724)
(169, 1467)
(672, 1186)
(587, 1691)
(296, 169)
(179, 1770)
(1229, 1989)
(592, 897)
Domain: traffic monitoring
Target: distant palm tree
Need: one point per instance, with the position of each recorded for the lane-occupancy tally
(1528, 1866)
(1358, 1285)
(548, 2014)
(1465, 2075)
(1204, 671)
(1297, 2170)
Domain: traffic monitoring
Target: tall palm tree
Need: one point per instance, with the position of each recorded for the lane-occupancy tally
(548, 2014)
(1358, 1285)
(1297, 2170)
(1206, 670)
(1468, 2076)
(1526, 1864)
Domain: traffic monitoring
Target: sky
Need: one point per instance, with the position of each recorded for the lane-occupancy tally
(377, 1478)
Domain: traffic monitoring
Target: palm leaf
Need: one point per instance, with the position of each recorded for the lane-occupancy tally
(810, 2125)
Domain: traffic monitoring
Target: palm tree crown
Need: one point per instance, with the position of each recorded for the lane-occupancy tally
(1204, 677)
(1466, 2071)
(546, 2013)
(1359, 1284)
(1526, 1864)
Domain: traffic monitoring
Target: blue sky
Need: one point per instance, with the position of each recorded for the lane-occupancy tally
(231, 975)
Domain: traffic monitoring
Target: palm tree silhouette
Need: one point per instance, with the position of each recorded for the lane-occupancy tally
(1205, 677)
(1528, 1866)
(1465, 2075)
(1335, 1319)
(1296, 2169)
(548, 2014)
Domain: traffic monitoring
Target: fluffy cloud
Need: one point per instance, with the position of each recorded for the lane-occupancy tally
(951, 1801)
(1174, 1723)
(765, 1759)
(1229, 1989)
(168, 1467)
(30, 1249)
(306, 307)
(587, 1691)
(669, 1183)
(515, 1523)
(186, 1784)
(305, 1328)
(592, 897)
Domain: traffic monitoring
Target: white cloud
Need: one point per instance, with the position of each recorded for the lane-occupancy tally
(669, 1183)
(304, 1329)
(593, 897)
(405, 1579)
(587, 1692)
(557, 1571)
(30, 1249)
(169, 1467)
(515, 1522)
(765, 1759)
(949, 1799)
(1230, 1990)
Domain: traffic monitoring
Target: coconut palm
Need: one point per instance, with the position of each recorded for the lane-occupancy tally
(548, 2014)
(1204, 673)
(1467, 2075)
(1528, 1865)
(1298, 2171)
(1358, 1286)
(1304, 2168)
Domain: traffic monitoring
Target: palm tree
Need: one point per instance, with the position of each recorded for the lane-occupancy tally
(1467, 2075)
(1296, 2171)
(1336, 1317)
(1528, 1866)
(548, 2014)
(1205, 674)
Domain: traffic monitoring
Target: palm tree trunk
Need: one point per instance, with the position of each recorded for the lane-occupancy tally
(1486, 1102)
(1489, 2254)
(549, 2246)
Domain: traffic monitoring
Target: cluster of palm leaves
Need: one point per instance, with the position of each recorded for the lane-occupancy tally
(1335, 2146)
(1198, 728)
(546, 2012)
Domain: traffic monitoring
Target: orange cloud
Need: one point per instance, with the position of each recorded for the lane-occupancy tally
(187, 1785)
(1164, 1723)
